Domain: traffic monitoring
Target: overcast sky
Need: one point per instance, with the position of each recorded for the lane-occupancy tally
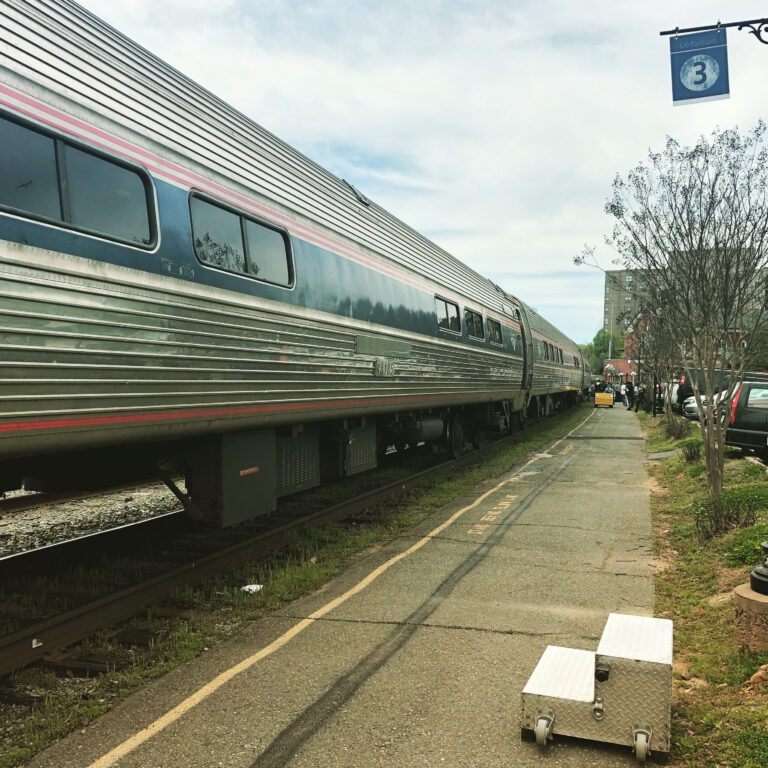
(494, 128)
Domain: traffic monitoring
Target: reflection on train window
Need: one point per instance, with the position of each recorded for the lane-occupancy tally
(474, 323)
(494, 331)
(29, 181)
(46, 177)
(231, 241)
(447, 315)
(105, 197)
(218, 236)
(267, 254)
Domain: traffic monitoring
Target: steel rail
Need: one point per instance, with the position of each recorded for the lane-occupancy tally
(44, 558)
(29, 644)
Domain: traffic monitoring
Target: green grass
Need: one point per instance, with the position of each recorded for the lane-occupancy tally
(657, 439)
(717, 721)
(219, 609)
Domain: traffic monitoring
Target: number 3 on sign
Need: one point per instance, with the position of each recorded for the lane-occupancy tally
(699, 73)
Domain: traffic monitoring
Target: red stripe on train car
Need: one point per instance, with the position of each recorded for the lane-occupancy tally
(141, 418)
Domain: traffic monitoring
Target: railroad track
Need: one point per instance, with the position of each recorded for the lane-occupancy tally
(33, 641)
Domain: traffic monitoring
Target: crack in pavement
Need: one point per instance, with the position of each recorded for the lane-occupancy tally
(428, 625)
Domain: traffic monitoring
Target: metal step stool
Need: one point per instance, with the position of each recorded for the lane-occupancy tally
(620, 694)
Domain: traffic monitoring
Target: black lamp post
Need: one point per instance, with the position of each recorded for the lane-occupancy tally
(758, 578)
(756, 27)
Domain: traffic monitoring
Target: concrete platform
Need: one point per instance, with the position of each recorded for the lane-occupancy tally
(423, 663)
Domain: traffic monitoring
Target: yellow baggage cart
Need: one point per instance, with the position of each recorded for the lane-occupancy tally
(604, 398)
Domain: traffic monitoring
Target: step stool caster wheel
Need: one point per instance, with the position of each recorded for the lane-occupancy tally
(641, 746)
(542, 730)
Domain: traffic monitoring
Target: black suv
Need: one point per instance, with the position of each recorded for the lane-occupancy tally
(748, 424)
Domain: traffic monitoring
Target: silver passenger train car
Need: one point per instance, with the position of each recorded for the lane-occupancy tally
(178, 285)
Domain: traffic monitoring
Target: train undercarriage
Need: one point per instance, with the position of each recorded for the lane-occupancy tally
(231, 477)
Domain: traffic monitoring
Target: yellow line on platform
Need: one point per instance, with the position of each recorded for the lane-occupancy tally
(170, 717)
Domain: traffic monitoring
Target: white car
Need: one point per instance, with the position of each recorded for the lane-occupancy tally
(691, 410)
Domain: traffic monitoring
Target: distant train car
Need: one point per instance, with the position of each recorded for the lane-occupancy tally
(180, 285)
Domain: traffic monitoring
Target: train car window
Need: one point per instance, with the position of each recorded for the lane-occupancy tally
(453, 317)
(218, 236)
(106, 197)
(267, 253)
(474, 323)
(442, 314)
(447, 315)
(29, 181)
(494, 331)
(47, 177)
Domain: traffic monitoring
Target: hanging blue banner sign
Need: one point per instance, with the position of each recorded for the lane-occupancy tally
(699, 66)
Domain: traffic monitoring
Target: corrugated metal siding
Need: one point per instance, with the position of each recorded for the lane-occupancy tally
(65, 49)
(75, 347)
(548, 377)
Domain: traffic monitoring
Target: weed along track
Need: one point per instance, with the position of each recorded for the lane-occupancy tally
(56, 595)
(140, 564)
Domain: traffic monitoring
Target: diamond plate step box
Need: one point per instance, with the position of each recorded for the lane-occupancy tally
(620, 694)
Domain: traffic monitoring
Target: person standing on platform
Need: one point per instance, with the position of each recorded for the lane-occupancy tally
(640, 397)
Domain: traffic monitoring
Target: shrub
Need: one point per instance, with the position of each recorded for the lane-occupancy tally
(691, 449)
(734, 508)
(676, 429)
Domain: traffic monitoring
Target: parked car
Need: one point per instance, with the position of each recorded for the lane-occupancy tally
(748, 422)
(690, 408)
(684, 389)
(671, 393)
